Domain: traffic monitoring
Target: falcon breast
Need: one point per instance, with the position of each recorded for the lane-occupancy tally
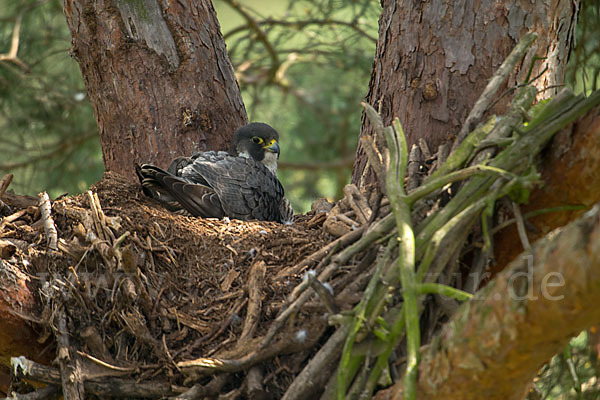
(241, 183)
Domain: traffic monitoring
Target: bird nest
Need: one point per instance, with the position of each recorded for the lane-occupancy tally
(135, 293)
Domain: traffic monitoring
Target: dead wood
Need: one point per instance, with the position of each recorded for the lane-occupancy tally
(47, 393)
(315, 375)
(254, 308)
(70, 370)
(46, 210)
(104, 387)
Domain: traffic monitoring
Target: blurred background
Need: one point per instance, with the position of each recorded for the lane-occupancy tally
(306, 77)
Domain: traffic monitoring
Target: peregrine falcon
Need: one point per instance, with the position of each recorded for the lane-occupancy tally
(241, 183)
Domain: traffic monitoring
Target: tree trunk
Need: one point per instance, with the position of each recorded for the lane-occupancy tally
(158, 77)
(434, 58)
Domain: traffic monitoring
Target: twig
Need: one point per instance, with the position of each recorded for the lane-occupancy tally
(70, 371)
(95, 216)
(504, 128)
(462, 174)
(99, 218)
(211, 389)
(358, 203)
(255, 292)
(373, 233)
(301, 24)
(316, 373)
(477, 272)
(521, 227)
(120, 370)
(167, 352)
(534, 213)
(347, 220)
(13, 217)
(406, 255)
(254, 383)
(324, 293)
(375, 160)
(370, 305)
(413, 172)
(376, 232)
(441, 157)
(444, 290)
(493, 86)
(49, 227)
(341, 242)
(133, 272)
(568, 357)
(464, 151)
(104, 387)
(14, 46)
(279, 322)
(261, 36)
(210, 366)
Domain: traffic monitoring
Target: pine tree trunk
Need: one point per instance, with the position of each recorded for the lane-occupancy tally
(434, 58)
(158, 77)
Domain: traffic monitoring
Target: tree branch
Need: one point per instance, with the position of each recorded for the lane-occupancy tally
(525, 316)
(14, 46)
(301, 24)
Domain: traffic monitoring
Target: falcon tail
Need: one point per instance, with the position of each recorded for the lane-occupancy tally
(177, 194)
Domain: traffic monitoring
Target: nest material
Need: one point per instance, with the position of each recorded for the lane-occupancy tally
(141, 292)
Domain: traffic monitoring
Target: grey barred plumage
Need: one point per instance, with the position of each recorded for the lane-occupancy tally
(241, 183)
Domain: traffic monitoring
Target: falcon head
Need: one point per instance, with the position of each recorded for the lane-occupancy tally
(258, 141)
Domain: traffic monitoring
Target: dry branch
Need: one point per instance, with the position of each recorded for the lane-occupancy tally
(49, 227)
(209, 366)
(315, 375)
(70, 372)
(341, 242)
(211, 389)
(255, 290)
(103, 387)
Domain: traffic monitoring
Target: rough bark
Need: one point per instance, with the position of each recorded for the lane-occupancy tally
(158, 77)
(495, 344)
(434, 58)
(18, 303)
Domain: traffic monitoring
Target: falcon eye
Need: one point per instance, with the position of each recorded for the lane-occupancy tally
(257, 140)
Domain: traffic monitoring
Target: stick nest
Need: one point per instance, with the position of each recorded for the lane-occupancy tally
(144, 291)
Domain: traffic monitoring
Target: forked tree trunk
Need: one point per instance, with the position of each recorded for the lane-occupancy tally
(434, 58)
(158, 76)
